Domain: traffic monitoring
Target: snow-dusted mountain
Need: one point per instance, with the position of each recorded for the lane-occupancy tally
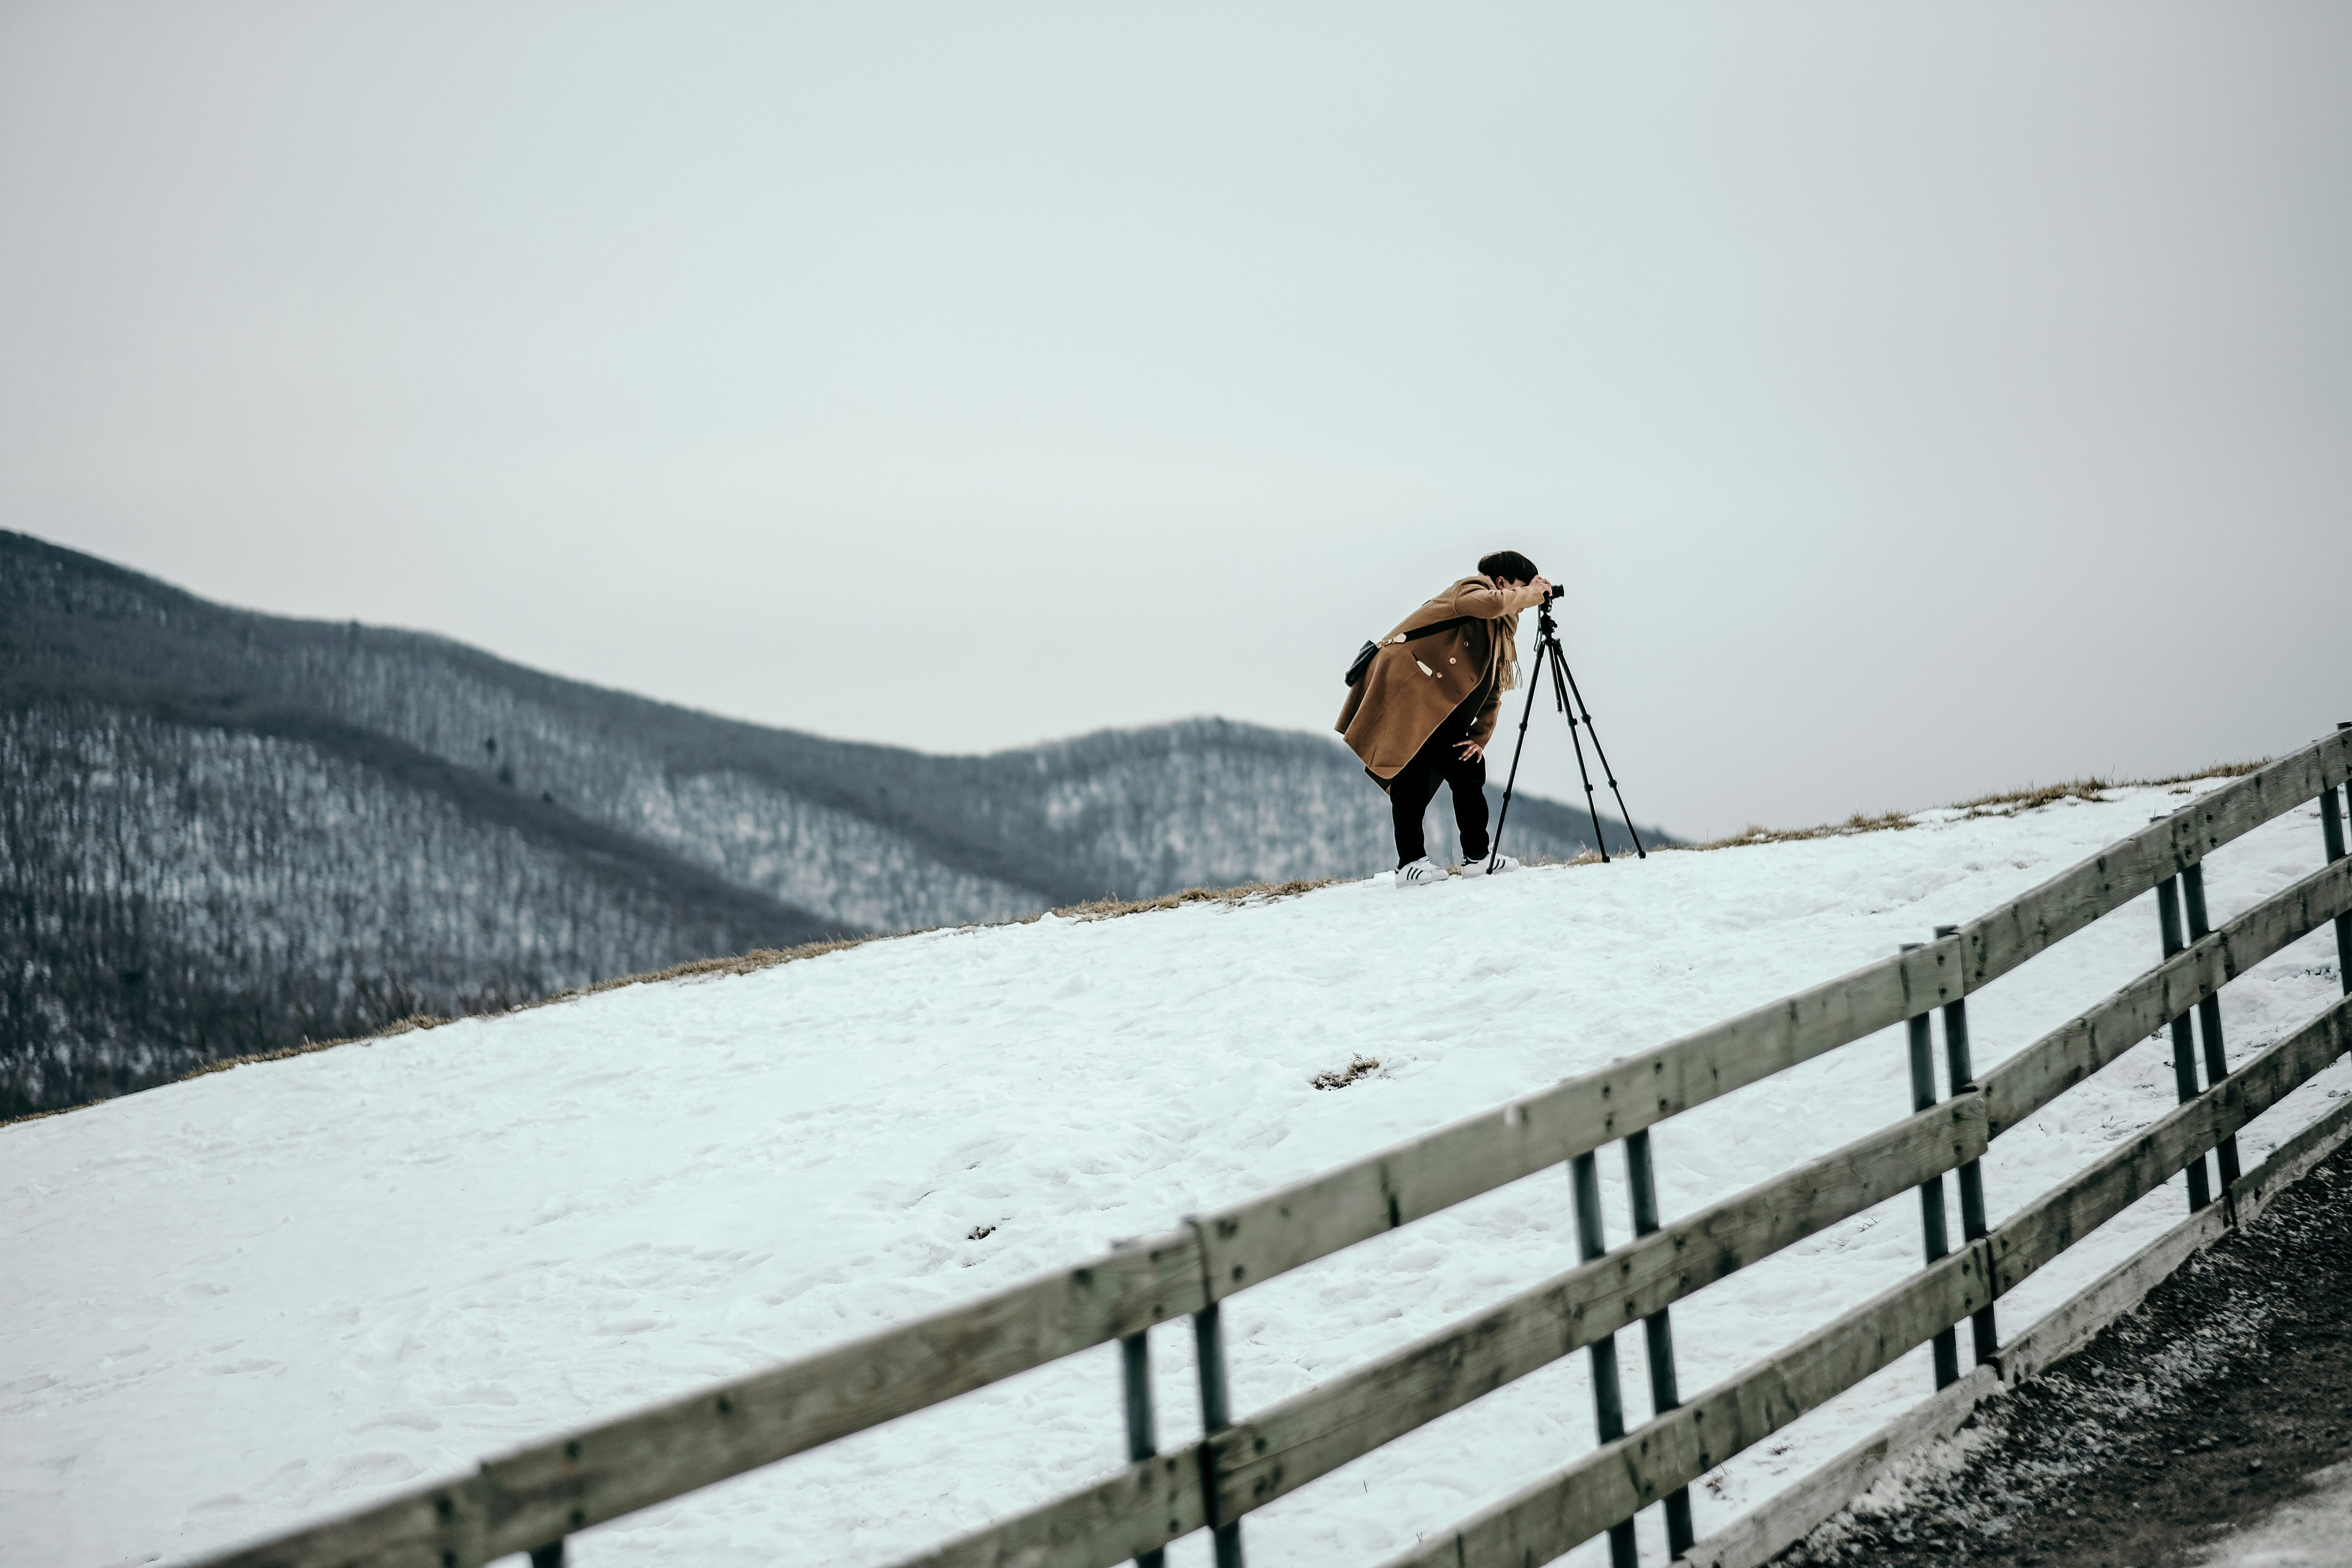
(223, 831)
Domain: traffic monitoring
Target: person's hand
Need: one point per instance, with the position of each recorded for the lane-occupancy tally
(1468, 750)
(1542, 585)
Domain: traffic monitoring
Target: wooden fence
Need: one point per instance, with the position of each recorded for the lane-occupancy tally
(530, 1501)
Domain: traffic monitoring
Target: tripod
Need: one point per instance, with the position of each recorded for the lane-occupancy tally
(1564, 688)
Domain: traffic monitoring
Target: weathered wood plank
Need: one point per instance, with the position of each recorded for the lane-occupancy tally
(423, 1529)
(618, 1466)
(1155, 1501)
(1999, 941)
(2078, 1319)
(1771, 1527)
(1292, 1442)
(1620, 1479)
(2072, 1052)
(2290, 1163)
(1760, 1535)
(2056, 1222)
(1287, 1444)
(1256, 1240)
(553, 1488)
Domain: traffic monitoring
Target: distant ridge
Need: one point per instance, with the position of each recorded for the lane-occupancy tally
(225, 832)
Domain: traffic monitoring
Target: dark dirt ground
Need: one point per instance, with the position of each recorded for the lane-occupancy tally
(2183, 1421)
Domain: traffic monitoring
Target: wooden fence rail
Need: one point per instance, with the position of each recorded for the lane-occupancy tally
(2065, 1056)
(1291, 1443)
(1614, 1481)
(530, 1500)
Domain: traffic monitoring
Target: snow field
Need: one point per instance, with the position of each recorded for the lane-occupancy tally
(278, 1293)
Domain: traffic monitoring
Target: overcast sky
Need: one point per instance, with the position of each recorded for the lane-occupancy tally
(1917, 401)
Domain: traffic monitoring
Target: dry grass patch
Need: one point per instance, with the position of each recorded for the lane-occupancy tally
(408, 1025)
(1755, 833)
(2004, 803)
(750, 963)
(1341, 1077)
(1248, 893)
(2218, 771)
(2027, 800)
(60, 1111)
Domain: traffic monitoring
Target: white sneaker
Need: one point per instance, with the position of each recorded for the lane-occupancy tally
(1420, 874)
(1500, 865)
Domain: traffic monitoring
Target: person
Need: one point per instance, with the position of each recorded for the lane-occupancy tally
(1425, 707)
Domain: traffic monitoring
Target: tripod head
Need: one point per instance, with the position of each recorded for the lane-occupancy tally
(1545, 626)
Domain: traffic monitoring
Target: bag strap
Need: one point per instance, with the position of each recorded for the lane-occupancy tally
(1430, 631)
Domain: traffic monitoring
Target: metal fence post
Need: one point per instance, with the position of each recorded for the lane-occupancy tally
(1216, 1415)
(1960, 1074)
(1143, 1437)
(1142, 1428)
(2184, 1047)
(2331, 828)
(1665, 1390)
(2209, 1021)
(1931, 1191)
(1608, 1402)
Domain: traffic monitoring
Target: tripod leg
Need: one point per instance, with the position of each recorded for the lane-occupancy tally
(1560, 691)
(1495, 849)
(1608, 772)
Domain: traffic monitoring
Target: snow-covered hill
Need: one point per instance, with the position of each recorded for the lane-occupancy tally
(271, 1294)
(223, 832)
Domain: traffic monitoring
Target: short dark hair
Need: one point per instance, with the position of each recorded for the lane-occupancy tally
(1508, 565)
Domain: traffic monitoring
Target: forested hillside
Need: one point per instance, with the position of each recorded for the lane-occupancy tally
(179, 892)
(226, 831)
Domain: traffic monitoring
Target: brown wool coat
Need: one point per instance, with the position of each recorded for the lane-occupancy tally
(1411, 687)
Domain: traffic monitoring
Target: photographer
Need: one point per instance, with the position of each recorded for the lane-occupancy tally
(1423, 707)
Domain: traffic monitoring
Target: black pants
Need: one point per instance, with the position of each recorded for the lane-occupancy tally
(1413, 787)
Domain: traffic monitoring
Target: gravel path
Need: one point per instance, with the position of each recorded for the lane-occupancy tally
(2211, 1426)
